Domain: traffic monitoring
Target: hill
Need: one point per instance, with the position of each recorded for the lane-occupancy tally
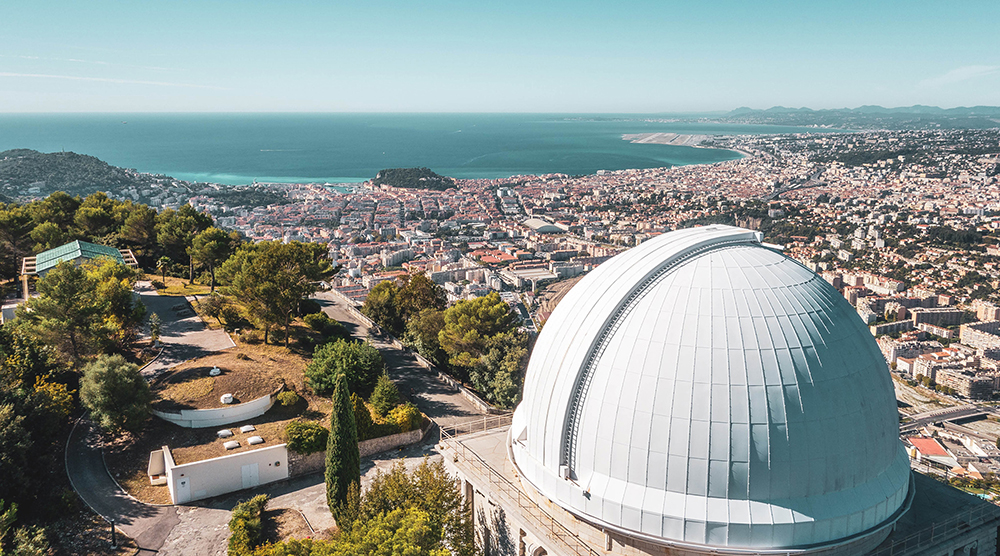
(872, 117)
(413, 178)
(24, 170)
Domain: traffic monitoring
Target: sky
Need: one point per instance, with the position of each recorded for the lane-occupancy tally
(513, 56)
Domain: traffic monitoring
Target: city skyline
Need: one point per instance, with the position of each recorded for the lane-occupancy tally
(642, 57)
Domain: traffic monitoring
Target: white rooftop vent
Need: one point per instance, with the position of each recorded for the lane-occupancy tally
(224, 433)
(227, 398)
(255, 440)
(247, 428)
(232, 445)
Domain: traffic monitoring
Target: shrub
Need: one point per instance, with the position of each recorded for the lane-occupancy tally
(406, 416)
(251, 337)
(212, 305)
(385, 397)
(157, 284)
(362, 418)
(326, 326)
(288, 398)
(245, 526)
(360, 362)
(230, 317)
(316, 321)
(306, 438)
(30, 541)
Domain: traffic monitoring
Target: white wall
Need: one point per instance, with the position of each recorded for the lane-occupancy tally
(212, 477)
(204, 418)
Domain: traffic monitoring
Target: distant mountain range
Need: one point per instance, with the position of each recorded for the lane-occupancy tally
(872, 117)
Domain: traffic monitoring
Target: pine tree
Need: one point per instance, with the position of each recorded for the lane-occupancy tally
(343, 461)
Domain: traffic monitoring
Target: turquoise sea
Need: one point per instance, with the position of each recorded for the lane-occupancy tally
(239, 148)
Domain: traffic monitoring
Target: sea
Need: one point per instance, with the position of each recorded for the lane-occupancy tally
(238, 149)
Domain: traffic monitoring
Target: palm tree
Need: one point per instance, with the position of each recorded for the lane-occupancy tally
(162, 266)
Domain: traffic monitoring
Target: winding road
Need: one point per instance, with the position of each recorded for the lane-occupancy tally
(201, 528)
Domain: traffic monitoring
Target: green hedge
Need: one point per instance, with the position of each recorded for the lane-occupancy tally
(306, 438)
(246, 529)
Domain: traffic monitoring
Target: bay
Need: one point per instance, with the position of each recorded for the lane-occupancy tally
(343, 148)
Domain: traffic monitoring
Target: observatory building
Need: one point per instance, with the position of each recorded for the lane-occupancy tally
(703, 393)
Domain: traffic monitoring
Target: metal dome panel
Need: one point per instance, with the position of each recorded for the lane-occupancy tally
(705, 389)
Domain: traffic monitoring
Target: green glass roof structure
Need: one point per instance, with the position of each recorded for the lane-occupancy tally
(45, 260)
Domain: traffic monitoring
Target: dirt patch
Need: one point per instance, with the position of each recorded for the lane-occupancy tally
(917, 399)
(127, 458)
(283, 523)
(248, 373)
(86, 534)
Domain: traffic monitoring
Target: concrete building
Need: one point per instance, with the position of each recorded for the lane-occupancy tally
(941, 316)
(984, 336)
(704, 394)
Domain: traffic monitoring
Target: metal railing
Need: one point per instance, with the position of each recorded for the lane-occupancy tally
(531, 511)
(483, 424)
(939, 532)
(501, 487)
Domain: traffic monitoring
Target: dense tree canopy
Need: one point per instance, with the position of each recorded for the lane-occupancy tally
(420, 513)
(33, 404)
(117, 396)
(380, 306)
(82, 310)
(211, 248)
(422, 334)
(417, 294)
(272, 278)
(499, 373)
(360, 362)
(468, 326)
(176, 230)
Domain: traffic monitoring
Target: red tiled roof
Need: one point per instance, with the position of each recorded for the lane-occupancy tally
(928, 446)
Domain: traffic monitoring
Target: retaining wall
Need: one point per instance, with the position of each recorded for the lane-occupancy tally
(475, 400)
(204, 418)
(469, 395)
(316, 462)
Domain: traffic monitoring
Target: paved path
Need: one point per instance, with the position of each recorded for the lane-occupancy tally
(444, 405)
(148, 525)
(202, 527)
(182, 332)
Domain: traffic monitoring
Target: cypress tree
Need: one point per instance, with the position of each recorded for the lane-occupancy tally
(343, 461)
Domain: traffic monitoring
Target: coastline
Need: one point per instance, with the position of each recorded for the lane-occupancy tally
(676, 140)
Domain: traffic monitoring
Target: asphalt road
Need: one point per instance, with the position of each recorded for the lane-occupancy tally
(183, 334)
(201, 528)
(444, 405)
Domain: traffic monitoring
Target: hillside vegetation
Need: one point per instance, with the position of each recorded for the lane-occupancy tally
(413, 178)
(77, 174)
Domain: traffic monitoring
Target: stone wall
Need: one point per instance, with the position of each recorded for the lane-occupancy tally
(299, 464)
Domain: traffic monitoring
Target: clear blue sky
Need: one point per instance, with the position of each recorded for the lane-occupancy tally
(509, 56)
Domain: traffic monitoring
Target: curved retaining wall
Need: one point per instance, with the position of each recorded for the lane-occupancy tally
(204, 418)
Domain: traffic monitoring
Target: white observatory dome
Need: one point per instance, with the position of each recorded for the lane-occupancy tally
(705, 391)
